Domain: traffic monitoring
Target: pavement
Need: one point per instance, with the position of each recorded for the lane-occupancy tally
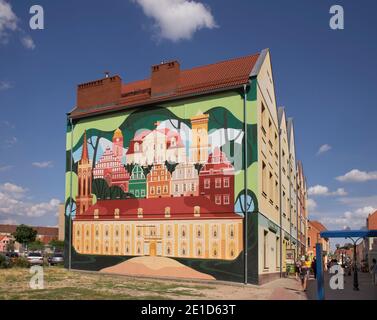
(285, 289)
(367, 291)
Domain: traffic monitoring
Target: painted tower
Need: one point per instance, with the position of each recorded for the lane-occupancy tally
(118, 144)
(200, 146)
(84, 197)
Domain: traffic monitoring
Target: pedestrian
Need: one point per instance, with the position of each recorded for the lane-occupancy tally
(305, 272)
(297, 268)
(373, 271)
(314, 267)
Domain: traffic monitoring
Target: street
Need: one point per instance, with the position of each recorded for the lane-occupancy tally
(367, 290)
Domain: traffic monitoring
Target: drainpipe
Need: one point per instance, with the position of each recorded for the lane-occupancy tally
(245, 182)
(70, 200)
(281, 210)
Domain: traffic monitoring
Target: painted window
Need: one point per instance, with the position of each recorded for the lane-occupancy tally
(207, 183)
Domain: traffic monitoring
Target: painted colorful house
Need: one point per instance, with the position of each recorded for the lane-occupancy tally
(159, 182)
(110, 166)
(138, 182)
(183, 135)
(185, 180)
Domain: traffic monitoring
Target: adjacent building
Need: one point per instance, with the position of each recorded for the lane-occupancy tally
(314, 230)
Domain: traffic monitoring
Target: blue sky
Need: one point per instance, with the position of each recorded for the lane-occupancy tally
(326, 79)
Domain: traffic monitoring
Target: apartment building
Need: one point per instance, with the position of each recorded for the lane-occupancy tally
(218, 160)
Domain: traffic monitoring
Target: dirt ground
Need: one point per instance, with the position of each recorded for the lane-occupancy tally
(60, 284)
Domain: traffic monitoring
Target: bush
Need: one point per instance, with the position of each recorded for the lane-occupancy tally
(4, 262)
(21, 262)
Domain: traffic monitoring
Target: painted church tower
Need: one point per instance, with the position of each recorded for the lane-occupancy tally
(118, 144)
(84, 198)
(199, 146)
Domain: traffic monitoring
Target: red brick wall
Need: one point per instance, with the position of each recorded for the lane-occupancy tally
(99, 92)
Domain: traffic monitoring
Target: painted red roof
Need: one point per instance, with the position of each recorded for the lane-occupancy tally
(200, 80)
(180, 208)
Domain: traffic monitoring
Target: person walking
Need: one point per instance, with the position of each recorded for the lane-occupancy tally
(373, 271)
(305, 272)
(314, 267)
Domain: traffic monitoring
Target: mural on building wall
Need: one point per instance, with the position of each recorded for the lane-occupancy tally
(167, 194)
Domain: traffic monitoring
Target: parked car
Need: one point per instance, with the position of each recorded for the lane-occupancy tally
(13, 256)
(35, 258)
(4, 261)
(56, 258)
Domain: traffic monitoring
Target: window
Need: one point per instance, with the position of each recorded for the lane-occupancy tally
(277, 253)
(309, 242)
(207, 183)
(218, 199)
(136, 193)
(265, 250)
(158, 190)
(226, 182)
(143, 193)
(152, 190)
(264, 178)
(226, 199)
(165, 189)
(263, 119)
(271, 187)
(218, 183)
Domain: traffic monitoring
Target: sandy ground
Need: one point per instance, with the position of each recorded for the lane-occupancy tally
(158, 267)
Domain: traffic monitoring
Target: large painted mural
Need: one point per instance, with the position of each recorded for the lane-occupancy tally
(160, 192)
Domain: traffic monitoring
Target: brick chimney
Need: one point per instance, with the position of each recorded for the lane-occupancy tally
(164, 78)
(99, 92)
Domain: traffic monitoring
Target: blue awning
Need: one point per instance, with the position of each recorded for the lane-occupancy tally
(349, 234)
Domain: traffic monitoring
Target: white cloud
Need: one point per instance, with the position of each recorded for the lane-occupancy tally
(349, 220)
(5, 85)
(323, 149)
(8, 221)
(177, 19)
(319, 190)
(356, 175)
(8, 20)
(311, 204)
(43, 164)
(12, 188)
(10, 142)
(359, 202)
(28, 42)
(13, 201)
(5, 168)
(9, 23)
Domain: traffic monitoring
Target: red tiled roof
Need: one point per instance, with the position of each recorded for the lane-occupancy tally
(319, 226)
(42, 231)
(180, 208)
(200, 80)
(372, 221)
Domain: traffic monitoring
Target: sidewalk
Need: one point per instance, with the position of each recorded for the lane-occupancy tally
(367, 290)
(286, 289)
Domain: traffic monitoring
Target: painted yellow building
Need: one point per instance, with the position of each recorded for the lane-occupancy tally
(200, 239)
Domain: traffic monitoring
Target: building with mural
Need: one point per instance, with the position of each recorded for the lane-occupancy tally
(159, 169)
